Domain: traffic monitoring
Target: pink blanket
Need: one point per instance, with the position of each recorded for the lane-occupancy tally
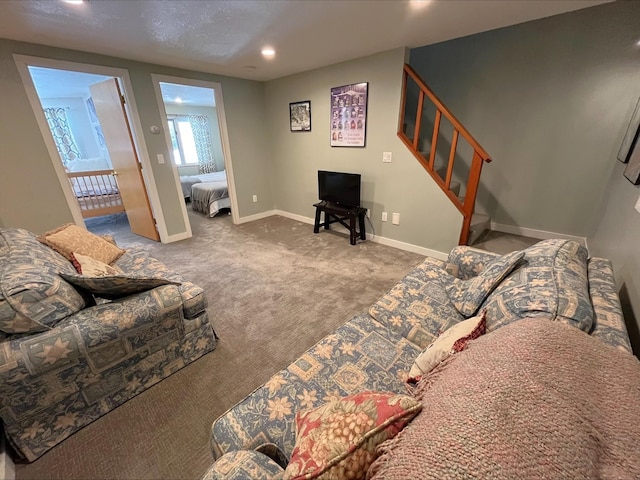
(534, 399)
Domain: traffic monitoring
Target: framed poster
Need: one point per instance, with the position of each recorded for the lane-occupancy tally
(632, 170)
(300, 116)
(630, 136)
(349, 115)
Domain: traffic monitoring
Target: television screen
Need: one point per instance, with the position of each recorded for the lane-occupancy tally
(342, 189)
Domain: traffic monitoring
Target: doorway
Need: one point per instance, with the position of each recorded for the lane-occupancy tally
(196, 135)
(84, 117)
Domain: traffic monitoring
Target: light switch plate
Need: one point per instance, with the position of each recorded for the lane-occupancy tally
(395, 218)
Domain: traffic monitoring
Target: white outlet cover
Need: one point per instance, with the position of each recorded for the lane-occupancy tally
(638, 205)
(384, 216)
(395, 219)
(386, 157)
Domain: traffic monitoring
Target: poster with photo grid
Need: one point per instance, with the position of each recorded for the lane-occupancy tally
(349, 115)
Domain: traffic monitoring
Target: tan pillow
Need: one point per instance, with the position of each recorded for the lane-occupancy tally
(92, 267)
(72, 238)
(452, 340)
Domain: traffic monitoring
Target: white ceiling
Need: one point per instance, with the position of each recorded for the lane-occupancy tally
(226, 37)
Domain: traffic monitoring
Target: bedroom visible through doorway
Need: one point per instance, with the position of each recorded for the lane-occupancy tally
(195, 131)
(94, 145)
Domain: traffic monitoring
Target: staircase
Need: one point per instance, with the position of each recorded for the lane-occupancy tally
(425, 125)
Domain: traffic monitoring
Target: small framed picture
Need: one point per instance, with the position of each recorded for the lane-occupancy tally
(300, 116)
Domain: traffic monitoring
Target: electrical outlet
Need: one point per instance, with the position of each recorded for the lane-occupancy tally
(638, 205)
(255, 198)
(160, 158)
(384, 216)
(395, 218)
(386, 157)
(368, 213)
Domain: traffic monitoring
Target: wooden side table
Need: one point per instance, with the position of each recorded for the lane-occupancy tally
(334, 213)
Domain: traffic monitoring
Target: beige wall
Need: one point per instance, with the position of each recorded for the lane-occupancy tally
(549, 100)
(28, 181)
(214, 130)
(427, 218)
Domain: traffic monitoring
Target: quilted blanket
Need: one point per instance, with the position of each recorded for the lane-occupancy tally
(534, 399)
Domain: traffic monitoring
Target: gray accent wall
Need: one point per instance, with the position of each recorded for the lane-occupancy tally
(550, 101)
(30, 195)
(427, 218)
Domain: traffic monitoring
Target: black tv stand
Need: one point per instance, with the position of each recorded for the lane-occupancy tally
(335, 213)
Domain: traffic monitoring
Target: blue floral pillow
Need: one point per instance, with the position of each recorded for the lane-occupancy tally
(115, 286)
(468, 295)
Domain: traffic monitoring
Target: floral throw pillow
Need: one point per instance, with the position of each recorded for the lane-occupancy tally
(339, 438)
(468, 295)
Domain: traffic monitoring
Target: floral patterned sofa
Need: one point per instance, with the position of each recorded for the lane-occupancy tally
(553, 279)
(67, 358)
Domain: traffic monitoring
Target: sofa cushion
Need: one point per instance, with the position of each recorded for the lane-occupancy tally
(551, 283)
(418, 307)
(115, 286)
(360, 355)
(455, 339)
(468, 295)
(244, 465)
(72, 238)
(339, 438)
(33, 296)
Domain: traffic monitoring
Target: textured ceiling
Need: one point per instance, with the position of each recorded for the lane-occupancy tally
(226, 37)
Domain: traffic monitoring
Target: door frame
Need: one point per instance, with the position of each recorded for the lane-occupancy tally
(23, 62)
(224, 136)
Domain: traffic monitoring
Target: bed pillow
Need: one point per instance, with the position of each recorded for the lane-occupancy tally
(453, 340)
(339, 438)
(72, 238)
(468, 295)
(112, 287)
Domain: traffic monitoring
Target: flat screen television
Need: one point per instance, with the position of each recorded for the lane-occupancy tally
(342, 189)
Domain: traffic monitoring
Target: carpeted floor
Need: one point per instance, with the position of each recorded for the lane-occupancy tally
(274, 289)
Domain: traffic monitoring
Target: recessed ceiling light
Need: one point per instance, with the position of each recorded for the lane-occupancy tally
(268, 52)
(178, 100)
(74, 2)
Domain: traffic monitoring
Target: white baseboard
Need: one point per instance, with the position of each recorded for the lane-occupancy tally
(257, 216)
(532, 232)
(376, 239)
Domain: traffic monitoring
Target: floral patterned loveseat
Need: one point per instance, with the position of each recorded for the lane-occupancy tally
(67, 359)
(553, 279)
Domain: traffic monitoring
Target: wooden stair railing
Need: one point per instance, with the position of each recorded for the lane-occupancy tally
(466, 204)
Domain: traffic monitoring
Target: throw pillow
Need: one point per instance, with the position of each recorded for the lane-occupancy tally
(339, 438)
(72, 238)
(452, 340)
(468, 295)
(86, 265)
(115, 286)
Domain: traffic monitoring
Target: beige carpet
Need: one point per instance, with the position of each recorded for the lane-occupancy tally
(274, 289)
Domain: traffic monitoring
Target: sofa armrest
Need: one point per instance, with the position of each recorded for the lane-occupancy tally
(609, 323)
(469, 261)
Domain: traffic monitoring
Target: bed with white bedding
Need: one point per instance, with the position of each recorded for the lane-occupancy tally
(209, 192)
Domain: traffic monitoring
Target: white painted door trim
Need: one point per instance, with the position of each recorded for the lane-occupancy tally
(23, 62)
(224, 136)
